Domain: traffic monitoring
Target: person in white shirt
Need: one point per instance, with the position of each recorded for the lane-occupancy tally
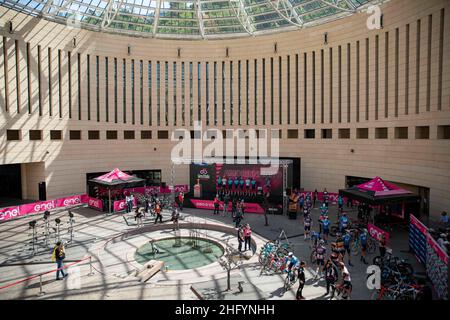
(347, 281)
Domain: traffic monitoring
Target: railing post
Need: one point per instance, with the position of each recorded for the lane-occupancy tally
(41, 292)
(91, 273)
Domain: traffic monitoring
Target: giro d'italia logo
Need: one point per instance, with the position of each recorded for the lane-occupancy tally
(73, 21)
(203, 174)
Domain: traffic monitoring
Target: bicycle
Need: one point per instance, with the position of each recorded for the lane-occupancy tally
(290, 279)
(338, 291)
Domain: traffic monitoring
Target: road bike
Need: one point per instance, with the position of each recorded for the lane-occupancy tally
(291, 278)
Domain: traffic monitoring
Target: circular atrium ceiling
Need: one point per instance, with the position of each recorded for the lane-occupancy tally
(189, 19)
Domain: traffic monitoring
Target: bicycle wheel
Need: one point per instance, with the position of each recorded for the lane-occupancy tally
(378, 261)
(333, 231)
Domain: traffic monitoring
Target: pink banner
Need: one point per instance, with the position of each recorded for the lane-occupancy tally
(37, 207)
(119, 205)
(250, 207)
(41, 206)
(418, 224)
(95, 203)
(9, 213)
(437, 248)
(70, 201)
(376, 232)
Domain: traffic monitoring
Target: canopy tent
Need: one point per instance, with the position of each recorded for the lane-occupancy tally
(378, 192)
(116, 178)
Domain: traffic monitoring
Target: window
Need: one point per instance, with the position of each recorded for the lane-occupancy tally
(423, 132)
(94, 135)
(401, 133)
(327, 133)
(146, 134)
(128, 134)
(163, 134)
(344, 133)
(444, 132)
(292, 134)
(362, 133)
(55, 135)
(196, 134)
(111, 135)
(381, 133)
(12, 135)
(310, 133)
(75, 135)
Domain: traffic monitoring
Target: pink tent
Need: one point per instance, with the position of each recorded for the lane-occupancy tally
(381, 187)
(115, 175)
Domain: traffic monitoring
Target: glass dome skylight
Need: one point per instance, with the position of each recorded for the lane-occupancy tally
(188, 19)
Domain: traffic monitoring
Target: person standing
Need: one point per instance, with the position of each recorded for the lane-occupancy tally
(320, 257)
(158, 212)
(347, 237)
(363, 242)
(238, 217)
(240, 236)
(301, 281)
(216, 204)
(331, 276)
(131, 202)
(307, 222)
(138, 218)
(58, 256)
(175, 217)
(326, 228)
(181, 200)
(315, 195)
(382, 246)
(247, 237)
(226, 201)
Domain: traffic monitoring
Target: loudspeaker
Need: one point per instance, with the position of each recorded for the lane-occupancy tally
(42, 191)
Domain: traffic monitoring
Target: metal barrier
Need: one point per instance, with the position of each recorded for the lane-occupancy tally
(41, 292)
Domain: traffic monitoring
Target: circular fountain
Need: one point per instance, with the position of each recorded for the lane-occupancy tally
(180, 253)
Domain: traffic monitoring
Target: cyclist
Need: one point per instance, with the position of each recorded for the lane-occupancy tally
(307, 222)
(320, 257)
(343, 222)
(241, 185)
(347, 237)
(219, 182)
(322, 217)
(301, 201)
(340, 203)
(224, 182)
(301, 281)
(315, 238)
(339, 246)
(363, 242)
(247, 186)
(291, 261)
(253, 183)
(331, 276)
(236, 185)
(326, 228)
(347, 282)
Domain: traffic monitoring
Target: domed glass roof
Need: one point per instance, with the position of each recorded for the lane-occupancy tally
(188, 19)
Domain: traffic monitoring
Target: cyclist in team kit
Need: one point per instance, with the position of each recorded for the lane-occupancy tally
(291, 261)
(347, 237)
(320, 257)
(307, 222)
(363, 242)
(326, 228)
(343, 222)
